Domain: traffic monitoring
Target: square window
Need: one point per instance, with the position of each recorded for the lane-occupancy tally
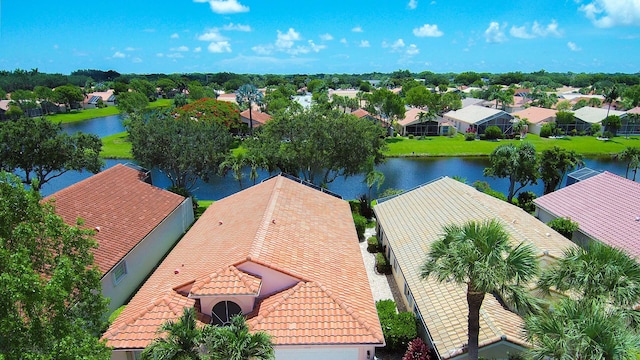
(119, 272)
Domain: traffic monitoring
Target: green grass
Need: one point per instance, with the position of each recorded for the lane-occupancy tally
(116, 146)
(457, 146)
(161, 103)
(86, 114)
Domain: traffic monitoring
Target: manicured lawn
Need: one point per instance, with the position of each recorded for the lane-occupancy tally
(116, 146)
(161, 103)
(457, 146)
(79, 115)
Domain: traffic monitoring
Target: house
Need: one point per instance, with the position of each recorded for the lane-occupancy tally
(136, 224)
(536, 116)
(407, 226)
(364, 114)
(92, 100)
(605, 206)
(259, 118)
(411, 124)
(281, 253)
(478, 118)
(587, 116)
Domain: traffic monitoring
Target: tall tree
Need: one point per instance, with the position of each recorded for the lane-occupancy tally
(131, 102)
(51, 303)
(631, 156)
(386, 103)
(67, 95)
(611, 95)
(480, 256)
(248, 95)
(235, 342)
(518, 164)
(555, 163)
(180, 341)
(42, 151)
(183, 149)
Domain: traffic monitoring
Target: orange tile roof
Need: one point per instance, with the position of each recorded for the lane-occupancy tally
(118, 203)
(536, 115)
(288, 227)
(411, 116)
(227, 281)
(259, 118)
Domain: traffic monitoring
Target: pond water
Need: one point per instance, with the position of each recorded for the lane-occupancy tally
(400, 173)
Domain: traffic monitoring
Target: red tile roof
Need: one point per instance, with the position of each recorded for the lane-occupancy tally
(227, 281)
(118, 203)
(259, 118)
(288, 227)
(606, 206)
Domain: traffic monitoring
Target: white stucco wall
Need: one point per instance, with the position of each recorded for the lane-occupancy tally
(143, 258)
(272, 281)
(324, 352)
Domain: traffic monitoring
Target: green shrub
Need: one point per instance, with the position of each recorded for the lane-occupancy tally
(484, 187)
(355, 206)
(382, 265)
(546, 130)
(398, 329)
(595, 129)
(469, 136)
(361, 225)
(365, 207)
(372, 244)
(564, 226)
(525, 201)
(493, 132)
(517, 137)
(114, 315)
(410, 136)
(607, 134)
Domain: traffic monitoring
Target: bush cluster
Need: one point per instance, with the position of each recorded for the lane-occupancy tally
(493, 132)
(418, 350)
(361, 225)
(382, 264)
(372, 244)
(564, 226)
(469, 136)
(398, 328)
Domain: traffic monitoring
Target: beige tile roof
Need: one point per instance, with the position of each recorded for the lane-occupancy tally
(122, 206)
(415, 219)
(473, 114)
(536, 115)
(285, 226)
(594, 115)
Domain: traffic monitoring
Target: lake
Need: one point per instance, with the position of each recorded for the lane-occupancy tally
(400, 173)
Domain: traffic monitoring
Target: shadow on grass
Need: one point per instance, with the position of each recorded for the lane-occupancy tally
(393, 140)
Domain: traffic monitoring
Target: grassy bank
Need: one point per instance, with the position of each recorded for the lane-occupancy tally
(457, 146)
(80, 115)
(116, 146)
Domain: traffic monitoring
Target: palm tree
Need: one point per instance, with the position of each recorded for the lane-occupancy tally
(373, 176)
(234, 163)
(234, 342)
(480, 256)
(182, 340)
(249, 94)
(632, 156)
(593, 102)
(610, 96)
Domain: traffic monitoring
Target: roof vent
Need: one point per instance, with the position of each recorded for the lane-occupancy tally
(220, 222)
(98, 228)
(637, 218)
(176, 271)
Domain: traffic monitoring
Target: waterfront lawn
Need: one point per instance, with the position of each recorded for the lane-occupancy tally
(116, 146)
(80, 115)
(457, 146)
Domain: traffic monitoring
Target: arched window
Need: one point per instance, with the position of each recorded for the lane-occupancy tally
(223, 312)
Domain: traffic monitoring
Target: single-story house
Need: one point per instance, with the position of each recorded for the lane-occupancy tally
(587, 116)
(91, 100)
(259, 118)
(537, 117)
(472, 101)
(136, 224)
(364, 114)
(478, 118)
(281, 253)
(407, 225)
(227, 97)
(412, 125)
(605, 206)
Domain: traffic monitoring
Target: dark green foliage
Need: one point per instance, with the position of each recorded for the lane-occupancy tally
(525, 201)
(484, 187)
(418, 350)
(470, 136)
(564, 226)
(51, 303)
(493, 132)
(382, 264)
(365, 207)
(372, 244)
(361, 225)
(518, 164)
(398, 328)
(546, 130)
(183, 149)
(611, 124)
(42, 151)
(555, 163)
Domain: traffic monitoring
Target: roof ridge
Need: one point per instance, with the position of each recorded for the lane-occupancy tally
(132, 319)
(352, 313)
(261, 233)
(244, 277)
(286, 293)
(272, 267)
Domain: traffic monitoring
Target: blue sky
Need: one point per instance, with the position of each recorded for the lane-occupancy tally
(347, 36)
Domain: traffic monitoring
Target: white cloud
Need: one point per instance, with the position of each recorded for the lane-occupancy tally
(287, 43)
(316, 48)
(225, 6)
(263, 49)
(212, 35)
(197, 50)
(175, 36)
(175, 56)
(412, 4)
(160, 55)
(129, 48)
(364, 44)
(118, 55)
(572, 46)
(219, 47)
(398, 44)
(286, 40)
(326, 37)
(237, 27)
(427, 30)
(495, 33)
(520, 32)
(136, 60)
(180, 48)
(413, 50)
(343, 41)
(609, 13)
(537, 30)
(357, 29)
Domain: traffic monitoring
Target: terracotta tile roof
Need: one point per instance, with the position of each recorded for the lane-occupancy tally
(635, 110)
(118, 203)
(259, 118)
(536, 115)
(227, 281)
(281, 224)
(414, 220)
(360, 113)
(606, 206)
(411, 116)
